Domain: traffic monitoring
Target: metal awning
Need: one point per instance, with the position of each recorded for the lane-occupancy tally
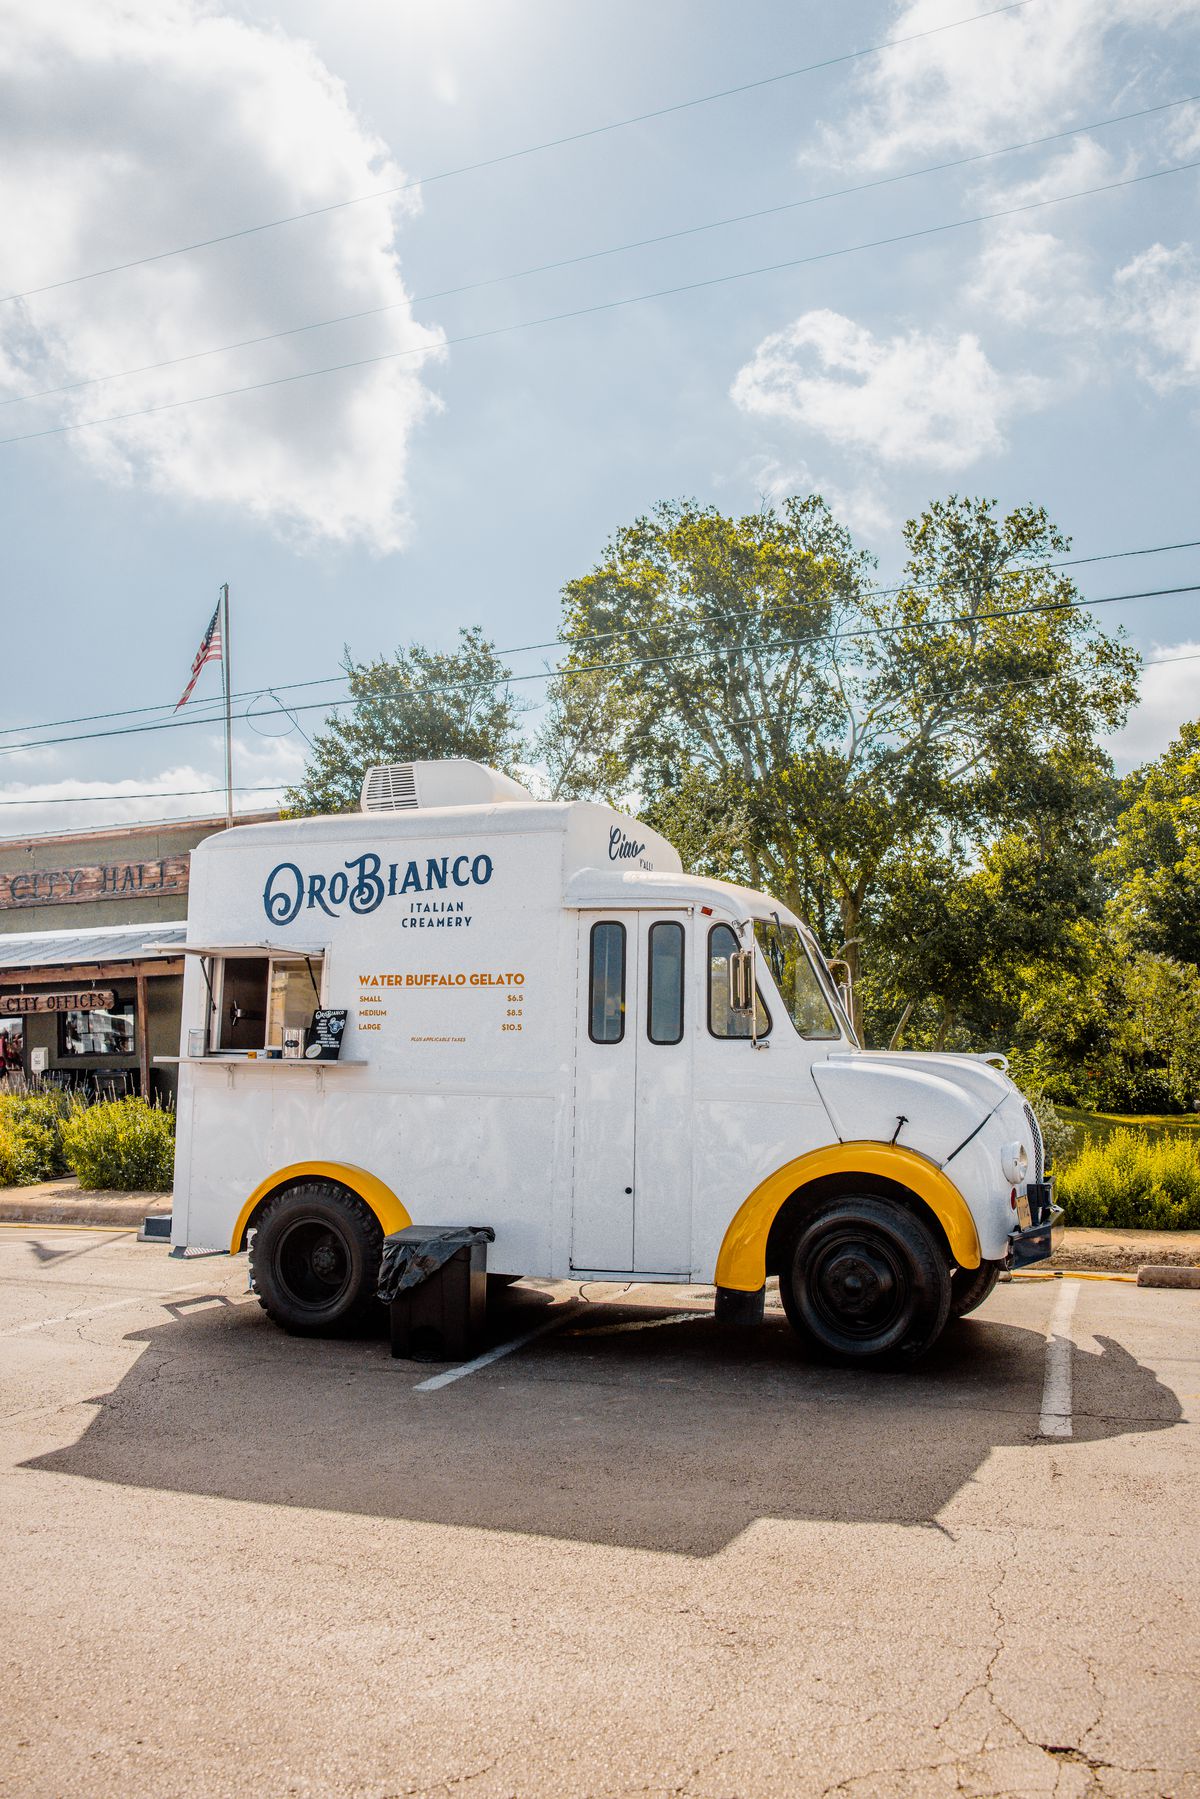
(298, 952)
(110, 943)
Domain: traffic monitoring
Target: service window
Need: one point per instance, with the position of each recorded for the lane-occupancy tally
(664, 999)
(799, 984)
(260, 996)
(606, 983)
(723, 1021)
(96, 1033)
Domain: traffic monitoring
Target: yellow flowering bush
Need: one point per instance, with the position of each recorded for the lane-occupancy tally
(124, 1143)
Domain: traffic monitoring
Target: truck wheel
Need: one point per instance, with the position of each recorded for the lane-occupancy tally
(969, 1287)
(314, 1261)
(866, 1282)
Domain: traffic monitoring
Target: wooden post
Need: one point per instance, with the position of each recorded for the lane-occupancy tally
(143, 1030)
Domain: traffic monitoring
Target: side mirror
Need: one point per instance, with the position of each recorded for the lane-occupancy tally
(741, 981)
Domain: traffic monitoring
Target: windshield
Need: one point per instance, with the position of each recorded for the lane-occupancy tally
(800, 987)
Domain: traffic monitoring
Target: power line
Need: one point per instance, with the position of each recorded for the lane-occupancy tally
(566, 262)
(489, 162)
(578, 312)
(99, 799)
(572, 673)
(1006, 682)
(253, 693)
(133, 824)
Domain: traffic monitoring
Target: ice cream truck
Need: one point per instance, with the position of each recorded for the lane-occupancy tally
(465, 1005)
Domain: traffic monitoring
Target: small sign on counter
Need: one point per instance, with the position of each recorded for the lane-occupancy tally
(324, 1038)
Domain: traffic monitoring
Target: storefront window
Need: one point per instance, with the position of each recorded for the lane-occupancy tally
(12, 1043)
(107, 1033)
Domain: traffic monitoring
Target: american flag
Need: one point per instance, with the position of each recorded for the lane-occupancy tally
(209, 651)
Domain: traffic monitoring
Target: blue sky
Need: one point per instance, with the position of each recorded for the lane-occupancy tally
(1051, 356)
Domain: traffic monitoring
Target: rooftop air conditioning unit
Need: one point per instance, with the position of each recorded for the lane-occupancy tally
(407, 786)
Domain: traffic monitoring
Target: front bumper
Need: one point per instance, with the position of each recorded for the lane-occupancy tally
(1042, 1237)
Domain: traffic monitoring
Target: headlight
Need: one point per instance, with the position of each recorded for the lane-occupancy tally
(1014, 1160)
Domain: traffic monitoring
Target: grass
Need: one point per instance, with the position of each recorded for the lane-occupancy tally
(1095, 1128)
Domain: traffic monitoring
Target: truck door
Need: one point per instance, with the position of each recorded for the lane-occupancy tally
(631, 1208)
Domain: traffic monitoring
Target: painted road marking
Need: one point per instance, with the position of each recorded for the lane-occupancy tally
(493, 1355)
(114, 1305)
(1055, 1420)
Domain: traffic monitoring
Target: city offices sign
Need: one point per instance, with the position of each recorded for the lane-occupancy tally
(94, 881)
(80, 999)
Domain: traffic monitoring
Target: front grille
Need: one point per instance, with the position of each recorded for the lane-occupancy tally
(1039, 1163)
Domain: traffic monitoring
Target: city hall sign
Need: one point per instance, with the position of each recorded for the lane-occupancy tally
(94, 881)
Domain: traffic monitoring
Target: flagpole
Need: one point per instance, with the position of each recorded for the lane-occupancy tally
(228, 680)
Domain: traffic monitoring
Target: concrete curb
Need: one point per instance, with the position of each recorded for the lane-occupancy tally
(1163, 1274)
(119, 1215)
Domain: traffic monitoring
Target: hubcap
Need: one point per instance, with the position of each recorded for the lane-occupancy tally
(858, 1283)
(313, 1263)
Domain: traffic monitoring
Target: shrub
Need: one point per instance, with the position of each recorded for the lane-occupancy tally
(1131, 1181)
(127, 1143)
(31, 1147)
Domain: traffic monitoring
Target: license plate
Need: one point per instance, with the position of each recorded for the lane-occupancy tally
(1024, 1215)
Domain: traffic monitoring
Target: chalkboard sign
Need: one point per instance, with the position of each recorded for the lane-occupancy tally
(323, 1040)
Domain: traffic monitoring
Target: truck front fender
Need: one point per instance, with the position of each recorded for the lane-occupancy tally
(742, 1262)
(369, 1188)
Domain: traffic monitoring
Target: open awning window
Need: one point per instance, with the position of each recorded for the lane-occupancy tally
(258, 991)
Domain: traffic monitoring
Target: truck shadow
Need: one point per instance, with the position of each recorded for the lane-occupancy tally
(673, 1436)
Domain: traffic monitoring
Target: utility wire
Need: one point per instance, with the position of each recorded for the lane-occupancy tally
(1005, 682)
(554, 643)
(566, 262)
(573, 672)
(97, 799)
(578, 312)
(488, 162)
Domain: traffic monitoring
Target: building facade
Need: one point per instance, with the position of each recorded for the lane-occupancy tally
(89, 992)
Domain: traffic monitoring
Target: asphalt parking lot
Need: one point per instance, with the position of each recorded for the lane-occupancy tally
(639, 1555)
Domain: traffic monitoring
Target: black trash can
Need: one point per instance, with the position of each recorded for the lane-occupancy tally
(433, 1280)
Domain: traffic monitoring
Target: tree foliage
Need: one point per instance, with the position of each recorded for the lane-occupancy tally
(418, 705)
(1154, 859)
(832, 740)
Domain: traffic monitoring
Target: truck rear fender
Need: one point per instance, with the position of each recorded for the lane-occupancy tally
(843, 1168)
(368, 1187)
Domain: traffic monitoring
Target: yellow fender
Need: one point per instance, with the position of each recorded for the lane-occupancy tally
(369, 1188)
(742, 1263)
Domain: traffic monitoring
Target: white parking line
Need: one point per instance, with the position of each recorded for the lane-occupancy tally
(1055, 1420)
(114, 1305)
(493, 1355)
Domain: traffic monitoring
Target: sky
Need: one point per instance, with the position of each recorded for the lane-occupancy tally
(467, 449)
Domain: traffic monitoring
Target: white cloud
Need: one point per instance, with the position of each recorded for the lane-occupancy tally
(1013, 75)
(918, 397)
(129, 126)
(194, 789)
(1168, 699)
(1158, 304)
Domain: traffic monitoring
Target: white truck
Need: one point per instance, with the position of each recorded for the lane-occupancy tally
(628, 1072)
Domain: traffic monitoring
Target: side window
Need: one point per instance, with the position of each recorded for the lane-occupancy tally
(722, 1021)
(606, 984)
(664, 999)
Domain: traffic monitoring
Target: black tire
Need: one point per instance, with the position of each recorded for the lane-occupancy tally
(314, 1261)
(866, 1283)
(969, 1287)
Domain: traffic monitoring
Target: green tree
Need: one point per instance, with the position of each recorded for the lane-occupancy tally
(1154, 860)
(844, 733)
(418, 705)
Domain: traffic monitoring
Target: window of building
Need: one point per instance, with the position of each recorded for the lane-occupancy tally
(664, 1000)
(799, 985)
(723, 1021)
(12, 1043)
(606, 983)
(97, 1033)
